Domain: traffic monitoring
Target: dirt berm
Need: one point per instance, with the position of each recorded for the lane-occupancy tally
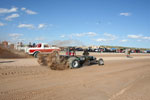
(11, 53)
(53, 60)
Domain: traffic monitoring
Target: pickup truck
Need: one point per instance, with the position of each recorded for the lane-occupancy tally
(41, 48)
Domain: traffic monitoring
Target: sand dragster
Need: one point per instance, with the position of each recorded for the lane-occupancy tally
(70, 60)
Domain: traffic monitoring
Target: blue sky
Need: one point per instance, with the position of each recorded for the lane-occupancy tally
(77, 22)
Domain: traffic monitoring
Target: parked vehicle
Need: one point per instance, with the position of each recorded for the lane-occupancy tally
(113, 49)
(90, 50)
(79, 49)
(120, 50)
(137, 51)
(97, 50)
(147, 51)
(106, 50)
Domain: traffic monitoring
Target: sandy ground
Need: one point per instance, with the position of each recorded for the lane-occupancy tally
(120, 78)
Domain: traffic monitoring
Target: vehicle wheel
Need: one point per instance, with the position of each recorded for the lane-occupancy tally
(101, 61)
(36, 54)
(74, 62)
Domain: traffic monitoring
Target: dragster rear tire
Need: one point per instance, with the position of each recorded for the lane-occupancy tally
(73, 62)
(100, 61)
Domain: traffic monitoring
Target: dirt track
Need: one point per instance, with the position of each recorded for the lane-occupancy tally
(120, 78)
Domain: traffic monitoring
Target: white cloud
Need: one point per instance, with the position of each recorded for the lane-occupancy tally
(30, 12)
(9, 18)
(41, 26)
(125, 14)
(146, 37)
(2, 24)
(124, 40)
(31, 26)
(4, 10)
(15, 35)
(101, 40)
(79, 34)
(134, 36)
(84, 34)
(110, 36)
(62, 36)
(139, 37)
(91, 34)
(26, 26)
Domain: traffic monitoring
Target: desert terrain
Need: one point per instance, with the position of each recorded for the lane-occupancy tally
(120, 78)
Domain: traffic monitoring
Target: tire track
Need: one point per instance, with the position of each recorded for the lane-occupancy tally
(23, 71)
(122, 91)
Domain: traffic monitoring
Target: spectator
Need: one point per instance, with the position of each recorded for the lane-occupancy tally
(34, 45)
(21, 44)
(127, 52)
(85, 53)
(29, 44)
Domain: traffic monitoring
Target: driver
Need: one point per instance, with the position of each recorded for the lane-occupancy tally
(85, 53)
